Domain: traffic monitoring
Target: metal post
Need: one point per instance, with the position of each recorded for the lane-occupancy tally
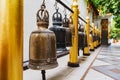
(11, 39)
(87, 30)
(74, 49)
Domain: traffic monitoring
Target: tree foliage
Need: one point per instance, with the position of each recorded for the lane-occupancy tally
(115, 33)
(109, 6)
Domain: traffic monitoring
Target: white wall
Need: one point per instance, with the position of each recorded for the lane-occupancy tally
(82, 8)
(30, 9)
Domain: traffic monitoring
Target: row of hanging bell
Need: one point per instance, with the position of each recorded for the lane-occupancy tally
(42, 44)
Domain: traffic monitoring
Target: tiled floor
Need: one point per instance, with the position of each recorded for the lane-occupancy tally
(102, 64)
(106, 65)
(112, 71)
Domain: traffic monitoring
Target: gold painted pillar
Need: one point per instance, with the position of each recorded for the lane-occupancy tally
(86, 51)
(11, 39)
(73, 57)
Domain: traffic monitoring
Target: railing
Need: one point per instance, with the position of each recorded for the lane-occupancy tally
(63, 4)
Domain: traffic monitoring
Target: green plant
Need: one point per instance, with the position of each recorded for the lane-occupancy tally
(117, 21)
(115, 33)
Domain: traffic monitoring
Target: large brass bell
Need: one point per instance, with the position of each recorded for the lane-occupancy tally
(60, 32)
(68, 31)
(42, 44)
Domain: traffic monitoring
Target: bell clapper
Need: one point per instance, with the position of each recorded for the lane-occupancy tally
(43, 74)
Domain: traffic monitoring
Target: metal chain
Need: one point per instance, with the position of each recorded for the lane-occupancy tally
(56, 5)
(43, 2)
(65, 12)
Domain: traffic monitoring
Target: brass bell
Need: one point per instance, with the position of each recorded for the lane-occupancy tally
(42, 44)
(59, 31)
(68, 31)
(82, 37)
(81, 40)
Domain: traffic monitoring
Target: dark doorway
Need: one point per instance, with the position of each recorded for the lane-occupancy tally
(104, 32)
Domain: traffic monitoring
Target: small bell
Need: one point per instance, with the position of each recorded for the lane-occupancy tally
(42, 44)
(68, 31)
(82, 37)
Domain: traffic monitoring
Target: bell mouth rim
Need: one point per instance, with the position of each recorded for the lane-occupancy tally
(43, 67)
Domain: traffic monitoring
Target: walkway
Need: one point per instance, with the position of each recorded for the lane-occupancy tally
(106, 65)
(102, 64)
